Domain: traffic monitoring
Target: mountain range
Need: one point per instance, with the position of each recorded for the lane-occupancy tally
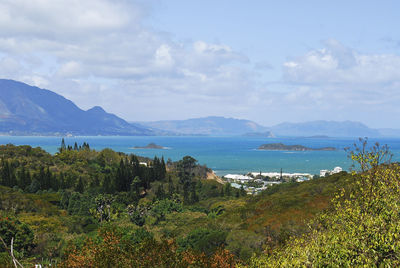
(212, 125)
(29, 110)
(325, 128)
(222, 126)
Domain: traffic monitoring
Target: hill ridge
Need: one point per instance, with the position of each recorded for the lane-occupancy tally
(26, 109)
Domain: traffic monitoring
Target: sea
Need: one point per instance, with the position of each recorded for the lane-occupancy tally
(224, 155)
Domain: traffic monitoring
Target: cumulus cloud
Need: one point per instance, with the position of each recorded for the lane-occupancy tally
(97, 46)
(338, 64)
(99, 52)
(340, 83)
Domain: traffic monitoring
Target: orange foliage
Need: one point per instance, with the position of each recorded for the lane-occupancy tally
(110, 251)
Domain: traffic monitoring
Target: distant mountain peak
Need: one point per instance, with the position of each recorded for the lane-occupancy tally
(324, 128)
(27, 110)
(210, 125)
(96, 109)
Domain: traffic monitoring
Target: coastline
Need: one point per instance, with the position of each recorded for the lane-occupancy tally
(225, 155)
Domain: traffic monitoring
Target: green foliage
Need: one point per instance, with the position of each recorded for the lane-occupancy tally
(203, 240)
(104, 210)
(368, 158)
(153, 213)
(134, 237)
(244, 243)
(363, 227)
(111, 249)
(112, 190)
(10, 227)
(185, 169)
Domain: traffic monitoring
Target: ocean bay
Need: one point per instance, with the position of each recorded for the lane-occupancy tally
(224, 155)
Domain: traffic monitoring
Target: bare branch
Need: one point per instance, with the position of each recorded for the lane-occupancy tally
(11, 252)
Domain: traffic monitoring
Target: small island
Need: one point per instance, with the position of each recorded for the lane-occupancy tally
(150, 146)
(283, 147)
(267, 134)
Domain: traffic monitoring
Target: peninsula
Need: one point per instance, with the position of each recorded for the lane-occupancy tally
(150, 146)
(283, 147)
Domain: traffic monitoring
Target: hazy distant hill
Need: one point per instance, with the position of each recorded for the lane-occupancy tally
(229, 126)
(26, 109)
(213, 125)
(389, 132)
(325, 128)
(266, 134)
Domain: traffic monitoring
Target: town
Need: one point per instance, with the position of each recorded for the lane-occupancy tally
(255, 182)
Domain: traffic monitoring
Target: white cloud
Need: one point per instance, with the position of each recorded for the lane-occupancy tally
(104, 41)
(340, 83)
(338, 64)
(9, 66)
(71, 69)
(163, 57)
(63, 19)
(98, 52)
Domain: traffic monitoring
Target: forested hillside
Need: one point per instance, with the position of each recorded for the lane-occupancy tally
(87, 208)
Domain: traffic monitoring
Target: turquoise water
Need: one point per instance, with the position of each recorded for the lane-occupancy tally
(223, 154)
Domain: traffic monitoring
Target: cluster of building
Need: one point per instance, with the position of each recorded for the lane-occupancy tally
(255, 182)
(239, 181)
(325, 172)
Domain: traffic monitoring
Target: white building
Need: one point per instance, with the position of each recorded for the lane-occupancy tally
(337, 170)
(238, 177)
(277, 175)
(302, 179)
(323, 172)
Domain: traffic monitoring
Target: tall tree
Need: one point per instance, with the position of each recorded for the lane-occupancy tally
(185, 172)
(80, 186)
(63, 147)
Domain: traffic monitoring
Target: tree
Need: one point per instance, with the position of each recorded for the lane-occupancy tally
(160, 193)
(363, 228)
(369, 158)
(41, 178)
(135, 189)
(62, 147)
(103, 210)
(113, 248)
(120, 178)
(11, 227)
(203, 240)
(242, 191)
(80, 187)
(185, 172)
(23, 178)
(163, 169)
(193, 195)
(8, 177)
(171, 189)
(47, 179)
(228, 189)
(107, 185)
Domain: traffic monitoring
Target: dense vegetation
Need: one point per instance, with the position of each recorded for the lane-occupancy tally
(84, 208)
(362, 229)
(52, 203)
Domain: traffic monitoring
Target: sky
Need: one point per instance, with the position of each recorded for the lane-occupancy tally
(266, 61)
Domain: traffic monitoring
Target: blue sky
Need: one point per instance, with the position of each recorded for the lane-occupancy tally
(267, 61)
(275, 31)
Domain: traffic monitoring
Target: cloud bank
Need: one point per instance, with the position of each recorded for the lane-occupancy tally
(101, 52)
